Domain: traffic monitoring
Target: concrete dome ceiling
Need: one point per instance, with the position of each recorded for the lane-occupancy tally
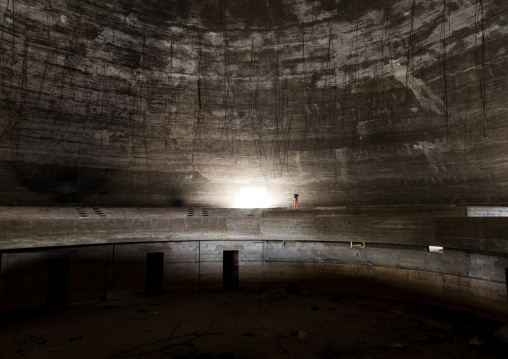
(185, 102)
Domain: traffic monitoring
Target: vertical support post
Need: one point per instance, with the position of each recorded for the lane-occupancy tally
(506, 281)
(109, 279)
(199, 266)
(3, 279)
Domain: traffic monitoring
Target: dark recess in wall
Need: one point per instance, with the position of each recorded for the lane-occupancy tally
(154, 273)
(58, 284)
(230, 277)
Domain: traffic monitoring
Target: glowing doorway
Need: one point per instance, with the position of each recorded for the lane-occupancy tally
(252, 197)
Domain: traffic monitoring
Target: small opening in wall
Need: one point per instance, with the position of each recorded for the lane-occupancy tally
(357, 244)
(252, 197)
(82, 213)
(230, 270)
(435, 249)
(57, 283)
(154, 273)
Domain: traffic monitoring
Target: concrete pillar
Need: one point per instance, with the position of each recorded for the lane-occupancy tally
(198, 257)
(109, 280)
(3, 279)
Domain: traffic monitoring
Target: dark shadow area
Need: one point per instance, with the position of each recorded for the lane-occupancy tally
(87, 186)
(254, 325)
(63, 184)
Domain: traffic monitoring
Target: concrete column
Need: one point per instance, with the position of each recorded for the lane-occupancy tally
(109, 280)
(3, 279)
(199, 267)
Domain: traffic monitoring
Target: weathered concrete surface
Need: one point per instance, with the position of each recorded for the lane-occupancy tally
(466, 280)
(448, 227)
(171, 102)
(107, 249)
(110, 106)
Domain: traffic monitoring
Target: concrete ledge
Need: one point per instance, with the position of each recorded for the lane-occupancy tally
(26, 227)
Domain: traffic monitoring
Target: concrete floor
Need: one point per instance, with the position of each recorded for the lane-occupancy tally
(271, 324)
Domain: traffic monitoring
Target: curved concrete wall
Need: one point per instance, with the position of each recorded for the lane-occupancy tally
(457, 279)
(170, 102)
(311, 249)
(183, 102)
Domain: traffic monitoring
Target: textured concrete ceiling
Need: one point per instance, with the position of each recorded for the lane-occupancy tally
(184, 102)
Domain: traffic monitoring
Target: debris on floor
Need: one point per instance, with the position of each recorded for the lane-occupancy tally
(240, 325)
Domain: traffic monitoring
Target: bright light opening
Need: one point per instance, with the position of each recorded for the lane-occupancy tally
(435, 249)
(252, 197)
